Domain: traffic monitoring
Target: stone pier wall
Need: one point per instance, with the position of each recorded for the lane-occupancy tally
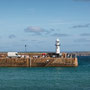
(54, 62)
(13, 62)
(38, 62)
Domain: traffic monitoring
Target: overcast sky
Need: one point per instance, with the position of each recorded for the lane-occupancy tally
(38, 23)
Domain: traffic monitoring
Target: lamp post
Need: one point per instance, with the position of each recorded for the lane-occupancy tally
(25, 48)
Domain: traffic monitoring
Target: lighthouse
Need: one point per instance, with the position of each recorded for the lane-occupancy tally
(57, 46)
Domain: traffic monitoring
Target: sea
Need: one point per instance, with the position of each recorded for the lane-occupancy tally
(47, 78)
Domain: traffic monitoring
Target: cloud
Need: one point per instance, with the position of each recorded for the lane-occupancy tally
(81, 26)
(82, 40)
(35, 30)
(59, 35)
(85, 34)
(12, 36)
(52, 29)
(83, 0)
(40, 31)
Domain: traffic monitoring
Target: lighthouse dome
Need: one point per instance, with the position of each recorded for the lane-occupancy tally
(57, 39)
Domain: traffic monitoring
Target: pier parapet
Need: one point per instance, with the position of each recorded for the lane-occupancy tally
(38, 60)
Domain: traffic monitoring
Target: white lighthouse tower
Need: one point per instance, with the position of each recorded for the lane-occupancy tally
(57, 46)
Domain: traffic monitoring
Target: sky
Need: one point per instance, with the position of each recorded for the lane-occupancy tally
(38, 23)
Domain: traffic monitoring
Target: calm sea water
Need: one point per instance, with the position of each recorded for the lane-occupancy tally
(52, 78)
